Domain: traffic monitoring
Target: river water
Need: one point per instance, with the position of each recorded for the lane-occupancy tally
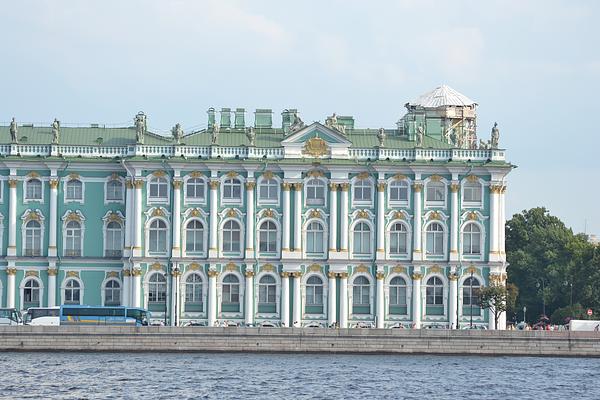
(294, 376)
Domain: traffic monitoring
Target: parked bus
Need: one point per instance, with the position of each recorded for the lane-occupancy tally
(10, 316)
(90, 315)
(47, 316)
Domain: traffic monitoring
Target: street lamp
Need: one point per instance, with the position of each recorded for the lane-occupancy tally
(567, 283)
(543, 282)
(471, 297)
(524, 311)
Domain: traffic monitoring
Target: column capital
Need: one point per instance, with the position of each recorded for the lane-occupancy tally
(298, 186)
(129, 183)
(331, 275)
(250, 185)
(213, 273)
(176, 273)
(381, 187)
(417, 187)
(136, 272)
(286, 186)
(53, 183)
(285, 274)
(12, 183)
(11, 271)
(454, 187)
(344, 186)
(177, 184)
(333, 187)
(214, 185)
(126, 273)
(343, 275)
(416, 276)
(52, 271)
(380, 276)
(496, 189)
(138, 183)
(452, 276)
(249, 274)
(296, 274)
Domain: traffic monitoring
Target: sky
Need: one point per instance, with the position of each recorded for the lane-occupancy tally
(532, 66)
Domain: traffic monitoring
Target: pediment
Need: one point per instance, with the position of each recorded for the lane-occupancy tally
(316, 141)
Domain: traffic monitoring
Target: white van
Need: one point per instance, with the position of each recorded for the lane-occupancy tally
(47, 316)
(10, 316)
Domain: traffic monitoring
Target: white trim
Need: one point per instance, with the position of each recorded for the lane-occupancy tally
(65, 182)
(461, 286)
(24, 221)
(240, 221)
(372, 239)
(147, 237)
(388, 241)
(157, 200)
(445, 294)
(435, 204)
(444, 240)
(205, 229)
(105, 223)
(81, 223)
(362, 203)
(325, 284)
(103, 289)
(325, 226)
(256, 284)
(271, 254)
(25, 183)
(482, 237)
(398, 203)
(409, 293)
(230, 202)
(194, 201)
(476, 205)
(146, 285)
(372, 288)
(22, 290)
(63, 288)
(242, 285)
(321, 179)
(275, 202)
(182, 294)
(119, 179)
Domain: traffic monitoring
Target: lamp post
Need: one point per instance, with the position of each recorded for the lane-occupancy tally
(543, 282)
(471, 297)
(524, 311)
(567, 283)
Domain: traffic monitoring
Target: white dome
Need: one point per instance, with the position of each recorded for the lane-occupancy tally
(442, 96)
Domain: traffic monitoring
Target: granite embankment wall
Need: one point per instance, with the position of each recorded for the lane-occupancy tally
(232, 339)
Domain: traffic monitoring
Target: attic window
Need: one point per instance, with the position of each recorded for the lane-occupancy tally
(23, 138)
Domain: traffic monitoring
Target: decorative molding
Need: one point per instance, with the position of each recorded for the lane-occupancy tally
(156, 267)
(452, 276)
(314, 214)
(33, 174)
(159, 173)
(267, 268)
(333, 187)
(472, 178)
(363, 175)
(314, 268)
(232, 174)
(196, 174)
(112, 274)
(398, 269)
(53, 183)
(72, 274)
(177, 184)
(435, 269)
(298, 186)
(315, 147)
(268, 175)
(435, 178)
(138, 183)
(213, 273)
(399, 177)
(315, 173)
(361, 268)
(363, 214)
(231, 267)
(193, 267)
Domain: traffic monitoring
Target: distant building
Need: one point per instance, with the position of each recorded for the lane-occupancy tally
(301, 224)
(593, 239)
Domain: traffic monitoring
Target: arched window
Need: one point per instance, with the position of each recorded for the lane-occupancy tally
(471, 239)
(157, 293)
(268, 190)
(266, 294)
(363, 191)
(398, 296)
(471, 289)
(398, 239)
(434, 296)
(158, 188)
(114, 190)
(31, 294)
(472, 192)
(314, 295)
(436, 192)
(33, 189)
(315, 238)
(112, 293)
(74, 190)
(435, 239)
(114, 242)
(231, 294)
(232, 189)
(73, 239)
(193, 293)
(157, 236)
(33, 238)
(398, 191)
(361, 296)
(72, 292)
(267, 237)
(195, 189)
(362, 239)
(194, 237)
(231, 236)
(315, 192)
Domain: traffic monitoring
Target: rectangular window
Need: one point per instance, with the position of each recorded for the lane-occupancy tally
(472, 193)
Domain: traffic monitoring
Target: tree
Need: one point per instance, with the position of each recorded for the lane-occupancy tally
(496, 298)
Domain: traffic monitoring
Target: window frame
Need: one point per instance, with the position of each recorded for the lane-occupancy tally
(26, 197)
(40, 229)
(365, 183)
(70, 246)
(203, 237)
(398, 184)
(66, 289)
(407, 242)
(370, 242)
(149, 231)
(222, 234)
(436, 203)
(435, 234)
(107, 200)
(228, 182)
(106, 289)
(312, 186)
(157, 181)
(269, 183)
(323, 232)
(479, 243)
(276, 239)
(195, 200)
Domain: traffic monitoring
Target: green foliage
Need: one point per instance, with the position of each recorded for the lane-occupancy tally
(494, 298)
(545, 260)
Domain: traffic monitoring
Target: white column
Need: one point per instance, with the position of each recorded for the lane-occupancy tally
(380, 311)
(344, 217)
(298, 217)
(344, 300)
(502, 224)
(10, 287)
(417, 188)
(296, 306)
(128, 215)
(285, 299)
(12, 218)
(214, 185)
(333, 217)
(250, 219)
(249, 298)
(53, 221)
(126, 294)
(137, 212)
(175, 274)
(381, 220)
(285, 246)
(454, 188)
(494, 193)
(331, 299)
(416, 299)
(137, 287)
(176, 249)
(52, 287)
(212, 297)
(452, 301)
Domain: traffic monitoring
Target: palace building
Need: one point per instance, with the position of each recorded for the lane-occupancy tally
(293, 224)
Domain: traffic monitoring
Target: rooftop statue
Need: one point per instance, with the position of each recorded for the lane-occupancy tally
(13, 131)
(297, 123)
(251, 135)
(483, 145)
(381, 137)
(332, 123)
(177, 133)
(55, 131)
(420, 136)
(215, 132)
(495, 136)
(140, 127)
